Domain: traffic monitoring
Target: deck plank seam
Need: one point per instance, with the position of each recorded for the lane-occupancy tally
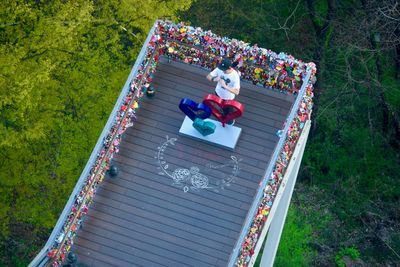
(162, 199)
(184, 75)
(112, 248)
(190, 88)
(121, 207)
(199, 197)
(218, 245)
(162, 87)
(110, 212)
(138, 248)
(248, 171)
(113, 218)
(248, 119)
(199, 145)
(166, 208)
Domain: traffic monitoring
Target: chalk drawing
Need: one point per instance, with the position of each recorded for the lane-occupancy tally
(192, 178)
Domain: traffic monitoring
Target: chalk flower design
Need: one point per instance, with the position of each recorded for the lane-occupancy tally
(192, 178)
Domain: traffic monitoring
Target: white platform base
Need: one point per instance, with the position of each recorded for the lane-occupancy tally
(226, 137)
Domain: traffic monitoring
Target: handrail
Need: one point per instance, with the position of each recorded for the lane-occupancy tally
(42, 259)
(191, 49)
(245, 69)
(278, 148)
(261, 66)
(276, 219)
(108, 154)
(99, 153)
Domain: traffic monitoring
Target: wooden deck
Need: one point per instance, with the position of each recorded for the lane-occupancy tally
(145, 218)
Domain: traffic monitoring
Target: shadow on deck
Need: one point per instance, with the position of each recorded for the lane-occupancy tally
(151, 216)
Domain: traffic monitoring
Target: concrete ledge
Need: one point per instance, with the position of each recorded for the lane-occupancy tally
(225, 137)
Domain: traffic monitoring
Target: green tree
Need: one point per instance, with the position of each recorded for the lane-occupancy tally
(351, 164)
(63, 64)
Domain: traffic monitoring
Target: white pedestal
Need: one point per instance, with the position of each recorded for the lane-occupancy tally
(226, 137)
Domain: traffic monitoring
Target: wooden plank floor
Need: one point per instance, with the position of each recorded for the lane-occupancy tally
(143, 218)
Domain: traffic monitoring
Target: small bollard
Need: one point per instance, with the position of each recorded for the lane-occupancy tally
(113, 171)
(150, 92)
(72, 260)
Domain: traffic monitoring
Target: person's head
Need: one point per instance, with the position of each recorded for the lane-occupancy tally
(225, 65)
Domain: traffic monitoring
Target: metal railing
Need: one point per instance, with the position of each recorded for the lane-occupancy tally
(42, 259)
(258, 198)
(248, 67)
(258, 65)
(277, 151)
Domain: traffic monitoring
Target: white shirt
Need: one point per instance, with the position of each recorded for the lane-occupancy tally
(231, 79)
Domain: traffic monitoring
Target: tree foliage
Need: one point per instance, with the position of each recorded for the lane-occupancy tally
(348, 188)
(63, 64)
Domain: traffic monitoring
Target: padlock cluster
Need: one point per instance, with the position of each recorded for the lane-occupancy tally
(203, 48)
(124, 118)
(274, 181)
(261, 66)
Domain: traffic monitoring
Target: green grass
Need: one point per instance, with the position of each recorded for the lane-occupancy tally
(294, 249)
